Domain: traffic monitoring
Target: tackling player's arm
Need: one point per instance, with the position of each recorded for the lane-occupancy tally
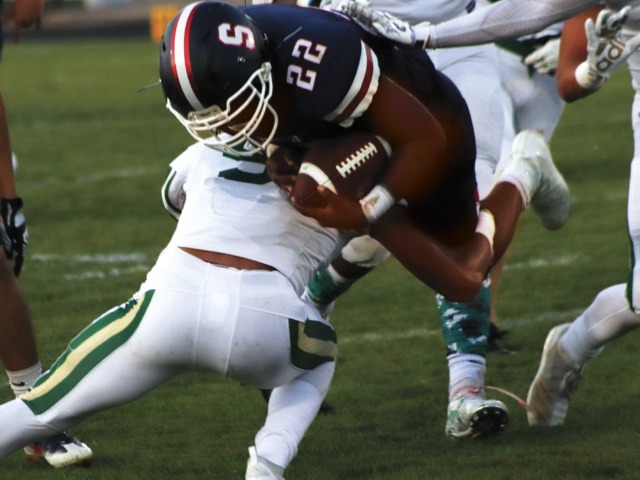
(573, 51)
(608, 46)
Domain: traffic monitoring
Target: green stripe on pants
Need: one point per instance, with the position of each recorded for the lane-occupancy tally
(85, 351)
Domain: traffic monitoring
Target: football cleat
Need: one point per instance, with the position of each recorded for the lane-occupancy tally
(470, 416)
(59, 451)
(259, 471)
(555, 382)
(542, 183)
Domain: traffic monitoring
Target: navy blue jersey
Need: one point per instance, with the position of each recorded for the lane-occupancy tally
(328, 68)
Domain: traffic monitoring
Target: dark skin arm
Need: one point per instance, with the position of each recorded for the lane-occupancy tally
(418, 160)
(457, 273)
(573, 51)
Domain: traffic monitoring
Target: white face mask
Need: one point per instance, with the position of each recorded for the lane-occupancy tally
(205, 125)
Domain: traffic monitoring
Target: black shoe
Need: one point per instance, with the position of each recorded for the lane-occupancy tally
(494, 344)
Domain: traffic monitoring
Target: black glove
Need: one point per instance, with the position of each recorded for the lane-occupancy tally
(16, 230)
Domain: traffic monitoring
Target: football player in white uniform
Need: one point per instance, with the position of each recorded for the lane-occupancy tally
(224, 296)
(531, 102)
(615, 311)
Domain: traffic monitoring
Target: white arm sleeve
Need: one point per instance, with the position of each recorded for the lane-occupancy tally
(504, 19)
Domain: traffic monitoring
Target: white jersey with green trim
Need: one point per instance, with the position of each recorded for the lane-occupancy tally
(232, 207)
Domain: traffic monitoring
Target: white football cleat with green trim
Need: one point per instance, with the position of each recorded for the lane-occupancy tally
(555, 382)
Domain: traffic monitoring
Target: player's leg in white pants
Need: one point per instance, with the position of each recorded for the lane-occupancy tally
(607, 318)
(292, 408)
(535, 103)
(189, 315)
(633, 204)
(474, 71)
(615, 311)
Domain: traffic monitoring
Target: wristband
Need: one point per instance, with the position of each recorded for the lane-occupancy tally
(376, 203)
(486, 226)
(587, 79)
(424, 31)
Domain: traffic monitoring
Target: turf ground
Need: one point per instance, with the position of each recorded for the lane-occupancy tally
(93, 154)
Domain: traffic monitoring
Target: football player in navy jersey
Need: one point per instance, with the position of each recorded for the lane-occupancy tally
(280, 75)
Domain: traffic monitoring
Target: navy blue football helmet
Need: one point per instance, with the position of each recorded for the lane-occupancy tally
(215, 78)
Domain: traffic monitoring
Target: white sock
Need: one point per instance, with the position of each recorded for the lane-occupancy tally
(607, 318)
(466, 374)
(22, 380)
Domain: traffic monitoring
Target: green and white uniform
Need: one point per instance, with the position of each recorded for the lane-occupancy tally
(249, 325)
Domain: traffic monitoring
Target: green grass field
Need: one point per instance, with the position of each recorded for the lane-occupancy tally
(93, 155)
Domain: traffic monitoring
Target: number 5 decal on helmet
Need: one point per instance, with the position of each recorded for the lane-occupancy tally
(236, 35)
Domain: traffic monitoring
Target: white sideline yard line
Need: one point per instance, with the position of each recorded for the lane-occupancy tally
(561, 261)
(112, 272)
(94, 177)
(132, 257)
(141, 263)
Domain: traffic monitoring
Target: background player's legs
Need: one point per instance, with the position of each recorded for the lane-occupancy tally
(17, 340)
(530, 101)
(569, 347)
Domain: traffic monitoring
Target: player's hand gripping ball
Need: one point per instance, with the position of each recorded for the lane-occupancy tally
(348, 166)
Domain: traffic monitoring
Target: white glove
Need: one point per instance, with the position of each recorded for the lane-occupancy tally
(606, 48)
(382, 23)
(544, 59)
(609, 23)
(15, 236)
(393, 28)
(344, 6)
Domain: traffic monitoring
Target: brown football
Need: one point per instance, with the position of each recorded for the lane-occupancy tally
(349, 165)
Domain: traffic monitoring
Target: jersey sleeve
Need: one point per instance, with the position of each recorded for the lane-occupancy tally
(364, 84)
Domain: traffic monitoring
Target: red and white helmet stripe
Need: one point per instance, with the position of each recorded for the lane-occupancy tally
(180, 59)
